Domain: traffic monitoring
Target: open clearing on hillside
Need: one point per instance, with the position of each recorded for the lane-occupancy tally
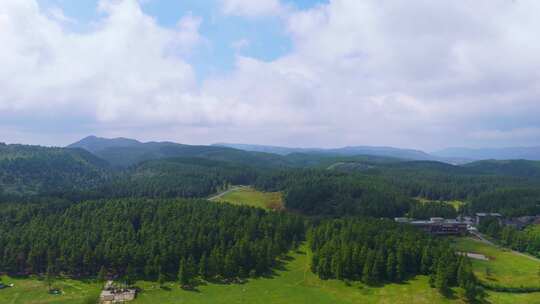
(504, 267)
(243, 195)
(292, 283)
(456, 204)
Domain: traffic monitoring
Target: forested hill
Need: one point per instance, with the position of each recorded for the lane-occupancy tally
(507, 168)
(27, 170)
(523, 168)
(123, 152)
(409, 154)
(178, 177)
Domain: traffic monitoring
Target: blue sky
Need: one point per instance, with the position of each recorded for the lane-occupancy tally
(311, 73)
(266, 36)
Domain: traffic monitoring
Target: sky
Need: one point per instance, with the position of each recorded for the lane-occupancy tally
(306, 73)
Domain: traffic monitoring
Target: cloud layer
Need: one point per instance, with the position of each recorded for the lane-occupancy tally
(414, 74)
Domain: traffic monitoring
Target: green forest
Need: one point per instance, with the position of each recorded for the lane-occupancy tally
(143, 215)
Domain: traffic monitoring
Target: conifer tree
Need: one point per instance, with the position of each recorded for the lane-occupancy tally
(161, 279)
(102, 274)
(390, 266)
(336, 266)
(441, 278)
(50, 276)
(425, 262)
(183, 273)
(400, 265)
(203, 267)
(130, 276)
(368, 268)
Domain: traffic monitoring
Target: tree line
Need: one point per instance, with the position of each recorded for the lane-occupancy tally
(380, 251)
(330, 193)
(509, 201)
(527, 240)
(145, 239)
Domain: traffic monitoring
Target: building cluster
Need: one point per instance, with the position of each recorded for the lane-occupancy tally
(464, 224)
(522, 221)
(438, 225)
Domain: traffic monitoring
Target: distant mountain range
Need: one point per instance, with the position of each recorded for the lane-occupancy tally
(345, 151)
(450, 155)
(125, 152)
(528, 153)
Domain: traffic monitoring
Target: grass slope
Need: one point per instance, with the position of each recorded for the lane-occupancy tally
(455, 203)
(251, 197)
(506, 268)
(294, 283)
(31, 290)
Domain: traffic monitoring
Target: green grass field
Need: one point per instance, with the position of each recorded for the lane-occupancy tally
(292, 283)
(31, 290)
(251, 197)
(506, 268)
(456, 204)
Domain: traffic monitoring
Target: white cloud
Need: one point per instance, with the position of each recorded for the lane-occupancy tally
(423, 74)
(58, 14)
(252, 8)
(127, 67)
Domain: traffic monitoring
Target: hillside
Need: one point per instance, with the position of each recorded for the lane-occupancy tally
(30, 170)
(121, 152)
(521, 168)
(177, 177)
(345, 151)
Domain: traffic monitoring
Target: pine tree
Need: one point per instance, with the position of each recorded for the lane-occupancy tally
(183, 273)
(471, 291)
(375, 273)
(203, 267)
(425, 262)
(191, 267)
(441, 278)
(315, 263)
(337, 267)
(50, 277)
(161, 279)
(130, 276)
(102, 274)
(368, 267)
(463, 272)
(391, 266)
(400, 265)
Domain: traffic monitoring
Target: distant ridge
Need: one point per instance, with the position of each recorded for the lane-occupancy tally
(345, 151)
(96, 144)
(527, 153)
(125, 152)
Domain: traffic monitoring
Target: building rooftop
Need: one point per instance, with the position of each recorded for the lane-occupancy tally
(488, 214)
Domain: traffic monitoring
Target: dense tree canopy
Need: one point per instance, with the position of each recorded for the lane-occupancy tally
(508, 201)
(377, 251)
(323, 192)
(150, 236)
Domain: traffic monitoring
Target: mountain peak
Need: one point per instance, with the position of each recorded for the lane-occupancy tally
(95, 144)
